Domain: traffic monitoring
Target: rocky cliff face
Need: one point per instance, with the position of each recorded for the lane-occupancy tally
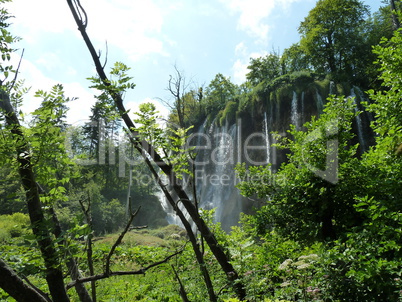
(249, 140)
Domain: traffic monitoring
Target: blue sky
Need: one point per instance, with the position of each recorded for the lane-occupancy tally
(202, 38)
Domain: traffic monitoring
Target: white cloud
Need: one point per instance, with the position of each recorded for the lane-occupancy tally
(34, 78)
(241, 49)
(133, 26)
(239, 68)
(252, 15)
(34, 18)
(80, 108)
(239, 71)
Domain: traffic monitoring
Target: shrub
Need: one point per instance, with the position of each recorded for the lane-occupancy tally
(14, 225)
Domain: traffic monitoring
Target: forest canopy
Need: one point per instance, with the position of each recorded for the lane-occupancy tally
(73, 229)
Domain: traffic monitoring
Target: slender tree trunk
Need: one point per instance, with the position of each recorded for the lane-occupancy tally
(209, 237)
(47, 246)
(70, 262)
(395, 19)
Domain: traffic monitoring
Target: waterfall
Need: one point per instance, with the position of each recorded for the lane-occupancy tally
(222, 160)
(319, 103)
(215, 175)
(171, 216)
(361, 96)
(294, 111)
(360, 134)
(266, 132)
(332, 87)
(219, 148)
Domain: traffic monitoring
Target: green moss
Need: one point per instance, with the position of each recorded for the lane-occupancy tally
(284, 92)
(219, 117)
(229, 113)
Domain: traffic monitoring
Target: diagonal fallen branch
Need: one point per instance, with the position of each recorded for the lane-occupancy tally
(119, 240)
(104, 275)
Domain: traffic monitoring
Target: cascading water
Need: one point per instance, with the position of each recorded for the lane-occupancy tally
(219, 148)
(359, 122)
(319, 102)
(294, 111)
(266, 132)
(332, 87)
(215, 176)
(361, 96)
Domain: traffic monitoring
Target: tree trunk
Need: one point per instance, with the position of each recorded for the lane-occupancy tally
(15, 286)
(47, 246)
(395, 19)
(198, 253)
(70, 261)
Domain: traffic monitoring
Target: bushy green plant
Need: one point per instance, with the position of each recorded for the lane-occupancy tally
(265, 300)
(14, 225)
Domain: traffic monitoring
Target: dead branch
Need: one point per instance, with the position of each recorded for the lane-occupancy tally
(182, 290)
(141, 271)
(119, 240)
(16, 71)
(140, 227)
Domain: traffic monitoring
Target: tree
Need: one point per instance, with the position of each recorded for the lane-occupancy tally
(38, 154)
(265, 68)
(395, 7)
(24, 164)
(387, 109)
(376, 243)
(186, 107)
(376, 27)
(294, 59)
(48, 247)
(178, 88)
(330, 36)
(220, 91)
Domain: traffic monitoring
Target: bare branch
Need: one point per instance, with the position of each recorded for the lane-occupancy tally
(80, 9)
(42, 293)
(16, 71)
(89, 251)
(141, 271)
(107, 51)
(182, 290)
(119, 240)
(138, 227)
